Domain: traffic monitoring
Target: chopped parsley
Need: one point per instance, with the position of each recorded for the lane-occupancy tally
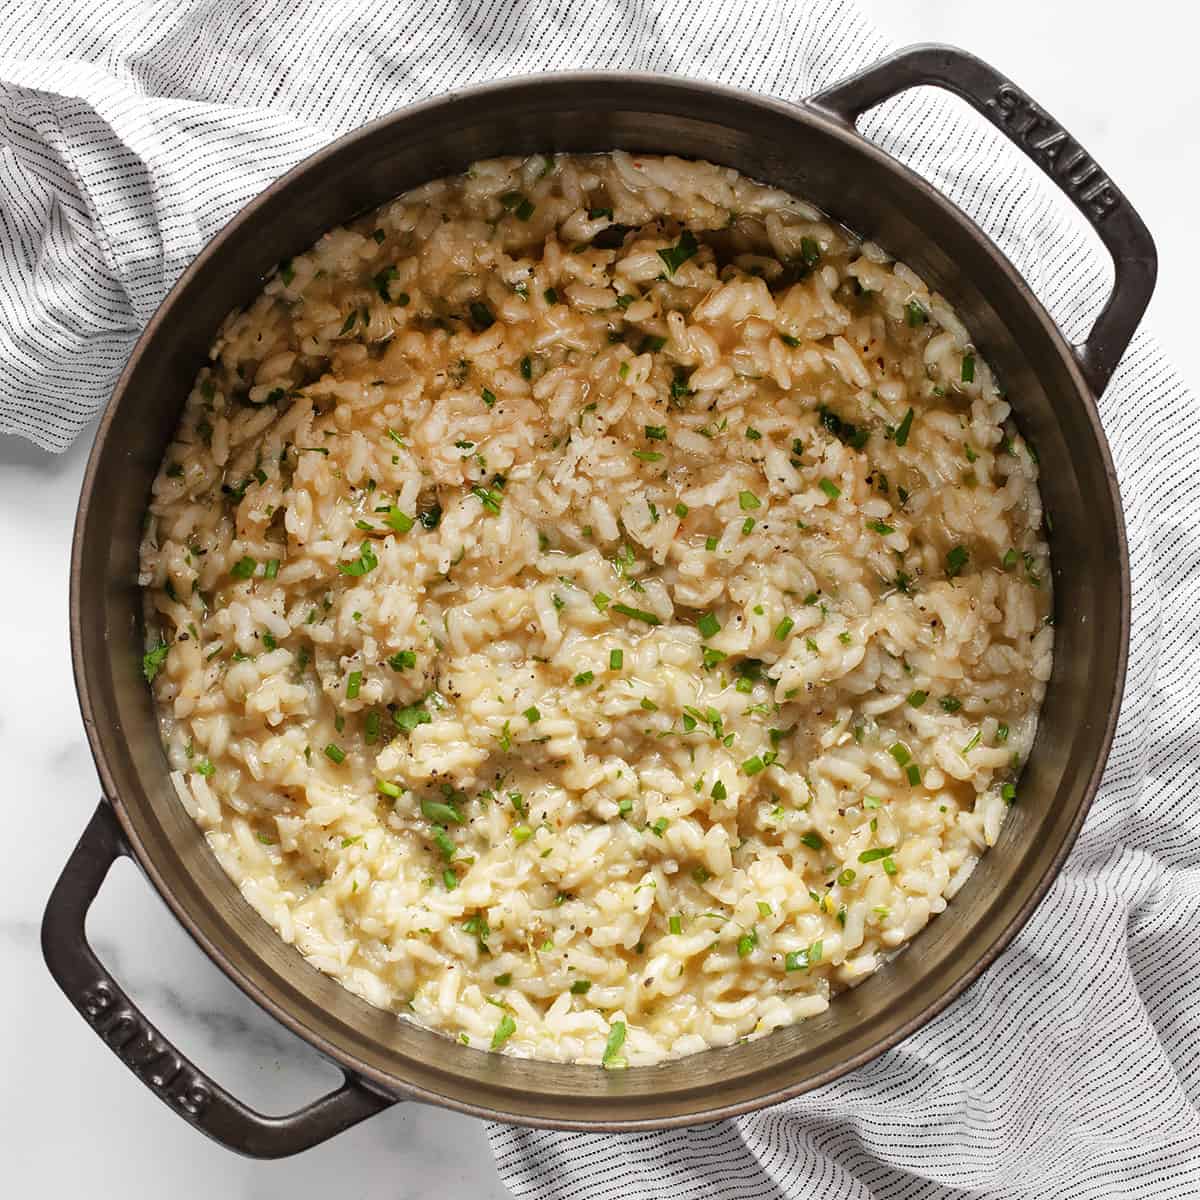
(407, 719)
(490, 498)
(708, 625)
(366, 561)
(675, 256)
(397, 520)
(152, 660)
(956, 559)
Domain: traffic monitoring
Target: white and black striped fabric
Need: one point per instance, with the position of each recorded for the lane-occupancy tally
(129, 136)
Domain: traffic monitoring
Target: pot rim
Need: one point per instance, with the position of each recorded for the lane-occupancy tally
(98, 730)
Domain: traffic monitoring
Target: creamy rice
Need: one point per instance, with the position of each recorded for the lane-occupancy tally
(597, 606)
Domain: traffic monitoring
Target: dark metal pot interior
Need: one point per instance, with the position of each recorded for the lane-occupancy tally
(797, 148)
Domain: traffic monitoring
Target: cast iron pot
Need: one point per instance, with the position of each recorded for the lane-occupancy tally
(811, 149)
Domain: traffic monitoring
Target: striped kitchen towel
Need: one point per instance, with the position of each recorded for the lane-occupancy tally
(1073, 1067)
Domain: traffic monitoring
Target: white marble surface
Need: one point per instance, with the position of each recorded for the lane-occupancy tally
(72, 1120)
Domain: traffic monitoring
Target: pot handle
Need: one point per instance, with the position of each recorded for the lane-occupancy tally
(201, 1101)
(1031, 129)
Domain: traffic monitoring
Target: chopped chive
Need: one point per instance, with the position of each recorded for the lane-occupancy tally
(708, 625)
(718, 791)
(901, 753)
(449, 879)
(710, 543)
(489, 397)
(814, 841)
(584, 678)
(968, 368)
(675, 924)
(788, 340)
(353, 684)
(847, 877)
(403, 660)
(870, 856)
(503, 1031)
(656, 432)
(526, 367)
(1001, 734)
(387, 789)
(950, 704)
(616, 659)
(271, 569)
(914, 774)
(976, 737)
(747, 943)
(902, 430)
(1008, 793)
(917, 698)
(681, 510)
(335, 753)
(648, 455)
(956, 559)
(634, 614)
(616, 1039)
(914, 314)
(830, 488)
(784, 628)
(440, 814)
(521, 834)
(748, 501)
(600, 600)
(1009, 560)
(243, 568)
(881, 527)
(581, 987)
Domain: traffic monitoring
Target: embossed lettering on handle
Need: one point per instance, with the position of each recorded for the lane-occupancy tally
(138, 1044)
(147, 1055)
(1028, 126)
(1062, 157)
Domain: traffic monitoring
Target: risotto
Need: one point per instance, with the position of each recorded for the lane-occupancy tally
(597, 606)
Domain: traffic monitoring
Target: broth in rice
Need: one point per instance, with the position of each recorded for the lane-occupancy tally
(597, 606)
